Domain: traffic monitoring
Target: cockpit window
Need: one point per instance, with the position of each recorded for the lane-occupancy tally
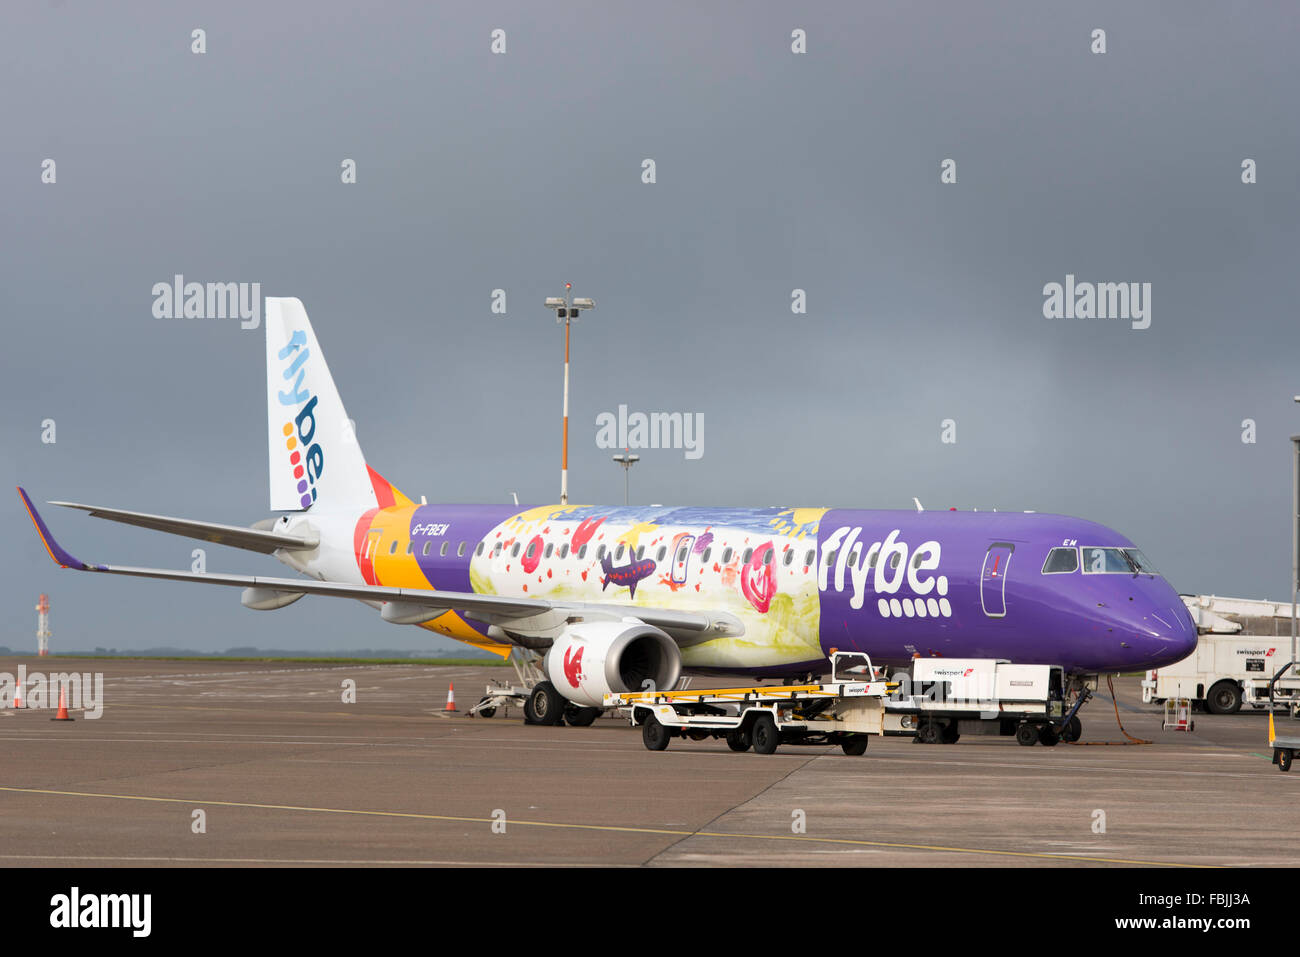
(1061, 560)
(1143, 563)
(1108, 561)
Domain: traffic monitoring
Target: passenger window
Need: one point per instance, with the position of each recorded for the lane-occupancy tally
(618, 555)
(705, 557)
(479, 551)
(532, 547)
(564, 550)
(659, 555)
(830, 559)
(767, 557)
(744, 559)
(460, 550)
(514, 552)
(425, 550)
(600, 553)
(582, 552)
(809, 556)
(409, 546)
(789, 554)
(893, 561)
(1060, 561)
(392, 549)
(550, 547)
(726, 555)
(442, 552)
(640, 552)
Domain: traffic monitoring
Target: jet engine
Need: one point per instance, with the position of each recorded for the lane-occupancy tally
(593, 658)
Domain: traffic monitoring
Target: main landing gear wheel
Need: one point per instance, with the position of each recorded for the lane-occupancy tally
(1048, 736)
(1027, 735)
(1073, 730)
(764, 735)
(1224, 698)
(579, 717)
(738, 740)
(545, 705)
(929, 733)
(854, 744)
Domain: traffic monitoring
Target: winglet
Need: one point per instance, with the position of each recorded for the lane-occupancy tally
(61, 558)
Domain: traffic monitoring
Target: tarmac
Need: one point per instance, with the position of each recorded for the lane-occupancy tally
(285, 773)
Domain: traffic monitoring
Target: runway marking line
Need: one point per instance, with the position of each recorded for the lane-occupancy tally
(667, 832)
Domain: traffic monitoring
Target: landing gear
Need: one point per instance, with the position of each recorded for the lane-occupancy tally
(738, 740)
(577, 716)
(1073, 730)
(854, 744)
(545, 705)
(1027, 734)
(1048, 736)
(764, 734)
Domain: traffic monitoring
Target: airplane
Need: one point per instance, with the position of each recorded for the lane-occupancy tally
(624, 598)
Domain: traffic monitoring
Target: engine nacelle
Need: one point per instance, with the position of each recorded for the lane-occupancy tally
(593, 658)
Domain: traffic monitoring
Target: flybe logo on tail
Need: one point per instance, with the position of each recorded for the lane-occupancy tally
(306, 457)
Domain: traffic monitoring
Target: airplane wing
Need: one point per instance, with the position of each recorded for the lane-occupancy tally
(537, 617)
(253, 539)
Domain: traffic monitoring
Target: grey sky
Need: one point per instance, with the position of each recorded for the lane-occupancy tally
(522, 171)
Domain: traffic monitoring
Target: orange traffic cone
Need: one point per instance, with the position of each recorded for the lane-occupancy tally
(63, 707)
(451, 697)
(18, 695)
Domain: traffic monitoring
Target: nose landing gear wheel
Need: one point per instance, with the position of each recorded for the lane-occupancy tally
(1027, 735)
(764, 735)
(1072, 731)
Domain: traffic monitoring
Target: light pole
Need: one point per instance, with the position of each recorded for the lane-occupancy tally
(566, 311)
(627, 461)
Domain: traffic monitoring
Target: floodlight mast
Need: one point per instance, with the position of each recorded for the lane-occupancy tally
(566, 310)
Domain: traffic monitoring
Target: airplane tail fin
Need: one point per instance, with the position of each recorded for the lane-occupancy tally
(315, 459)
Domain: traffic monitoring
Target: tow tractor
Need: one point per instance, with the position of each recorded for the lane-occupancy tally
(840, 711)
(1284, 747)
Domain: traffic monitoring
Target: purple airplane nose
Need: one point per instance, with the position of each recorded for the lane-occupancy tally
(1167, 632)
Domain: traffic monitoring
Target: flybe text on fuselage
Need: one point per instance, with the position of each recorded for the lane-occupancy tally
(891, 568)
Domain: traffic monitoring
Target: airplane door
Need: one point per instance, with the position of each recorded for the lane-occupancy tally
(372, 544)
(993, 579)
(682, 557)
